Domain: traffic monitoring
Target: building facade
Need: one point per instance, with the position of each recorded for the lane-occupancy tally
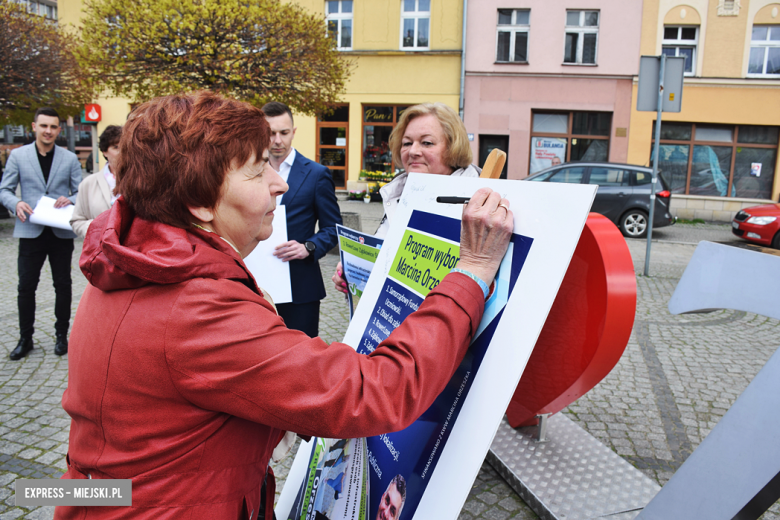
(550, 82)
(404, 52)
(720, 153)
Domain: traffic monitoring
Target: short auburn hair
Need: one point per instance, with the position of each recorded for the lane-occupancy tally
(457, 153)
(175, 152)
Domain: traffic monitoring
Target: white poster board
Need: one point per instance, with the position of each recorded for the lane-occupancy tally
(549, 219)
(46, 214)
(272, 274)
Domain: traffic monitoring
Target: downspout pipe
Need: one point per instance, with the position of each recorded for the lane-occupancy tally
(461, 102)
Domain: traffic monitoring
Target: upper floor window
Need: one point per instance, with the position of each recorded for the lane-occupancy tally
(513, 35)
(681, 41)
(415, 24)
(582, 33)
(765, 50)
(41, 9)
(339, 20)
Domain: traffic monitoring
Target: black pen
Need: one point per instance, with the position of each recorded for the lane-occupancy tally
(453, 200)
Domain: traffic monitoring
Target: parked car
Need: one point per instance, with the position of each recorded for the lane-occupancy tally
(759, 224)
(623, 195)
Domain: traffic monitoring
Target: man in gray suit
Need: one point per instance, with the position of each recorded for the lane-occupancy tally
(41, 169)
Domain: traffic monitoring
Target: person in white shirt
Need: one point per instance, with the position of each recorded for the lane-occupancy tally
(310, 204)
(96, 192)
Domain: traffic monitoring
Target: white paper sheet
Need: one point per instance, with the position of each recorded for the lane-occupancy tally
(46, 214)
(272, 274)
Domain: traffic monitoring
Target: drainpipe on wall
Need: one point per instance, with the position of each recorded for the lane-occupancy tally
(463, 61)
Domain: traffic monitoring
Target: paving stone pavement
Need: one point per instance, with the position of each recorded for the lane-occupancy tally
(678, 376)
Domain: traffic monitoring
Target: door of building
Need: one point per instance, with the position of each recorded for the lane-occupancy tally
(333, 143)
(486, 145)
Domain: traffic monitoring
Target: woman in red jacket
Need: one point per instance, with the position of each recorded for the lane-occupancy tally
(182, 377)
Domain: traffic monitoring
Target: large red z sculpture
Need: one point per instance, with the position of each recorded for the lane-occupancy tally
(587, 329)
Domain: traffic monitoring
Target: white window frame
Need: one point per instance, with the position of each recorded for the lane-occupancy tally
(678, 42)
(339, 18)
(513, 29)
(39, 8)
(766, 45)
(581, 30)
(415, 15)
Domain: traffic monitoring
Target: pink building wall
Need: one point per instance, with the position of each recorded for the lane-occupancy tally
(500, 97)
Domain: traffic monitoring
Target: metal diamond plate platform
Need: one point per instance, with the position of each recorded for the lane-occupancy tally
(571, 476)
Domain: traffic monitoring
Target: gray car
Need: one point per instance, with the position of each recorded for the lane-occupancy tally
(623, 196)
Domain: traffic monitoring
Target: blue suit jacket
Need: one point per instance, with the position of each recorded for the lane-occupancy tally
(310, 198)
(23, 168)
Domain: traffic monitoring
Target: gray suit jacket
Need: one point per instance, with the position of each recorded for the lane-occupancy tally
(23, 168)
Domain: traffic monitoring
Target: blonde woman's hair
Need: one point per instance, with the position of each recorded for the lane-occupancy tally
(457, 153)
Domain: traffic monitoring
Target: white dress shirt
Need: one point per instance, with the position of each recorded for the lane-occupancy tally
(284, 171)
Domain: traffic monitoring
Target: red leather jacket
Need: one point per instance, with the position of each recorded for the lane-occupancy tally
(183, 378)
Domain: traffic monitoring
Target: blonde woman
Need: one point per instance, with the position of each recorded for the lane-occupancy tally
(429, 138)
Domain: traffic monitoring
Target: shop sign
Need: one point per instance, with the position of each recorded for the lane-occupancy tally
(92, 113)
(378, 115)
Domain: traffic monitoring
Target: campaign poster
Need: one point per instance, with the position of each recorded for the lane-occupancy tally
(430, 248)
(336, 483)
(426, 471)
(546, 152)
(358, 252)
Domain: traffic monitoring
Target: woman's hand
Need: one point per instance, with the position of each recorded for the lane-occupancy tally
(338, 279)
(484, 235)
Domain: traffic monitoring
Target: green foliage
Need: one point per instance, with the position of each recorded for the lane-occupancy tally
(380, 176)
(253, 50)
(38, 67)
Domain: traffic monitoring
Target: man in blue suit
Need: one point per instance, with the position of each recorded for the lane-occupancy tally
(41, 169)
(311, 199)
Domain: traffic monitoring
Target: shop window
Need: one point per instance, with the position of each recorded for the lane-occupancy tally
(582, 32)
(557, 138)
(378, 123)
(682, 41)
(710, 167)
(415, 24)
(765, 51)
(719, 160)
(333, 143)
(513, 27)
(339, 20)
